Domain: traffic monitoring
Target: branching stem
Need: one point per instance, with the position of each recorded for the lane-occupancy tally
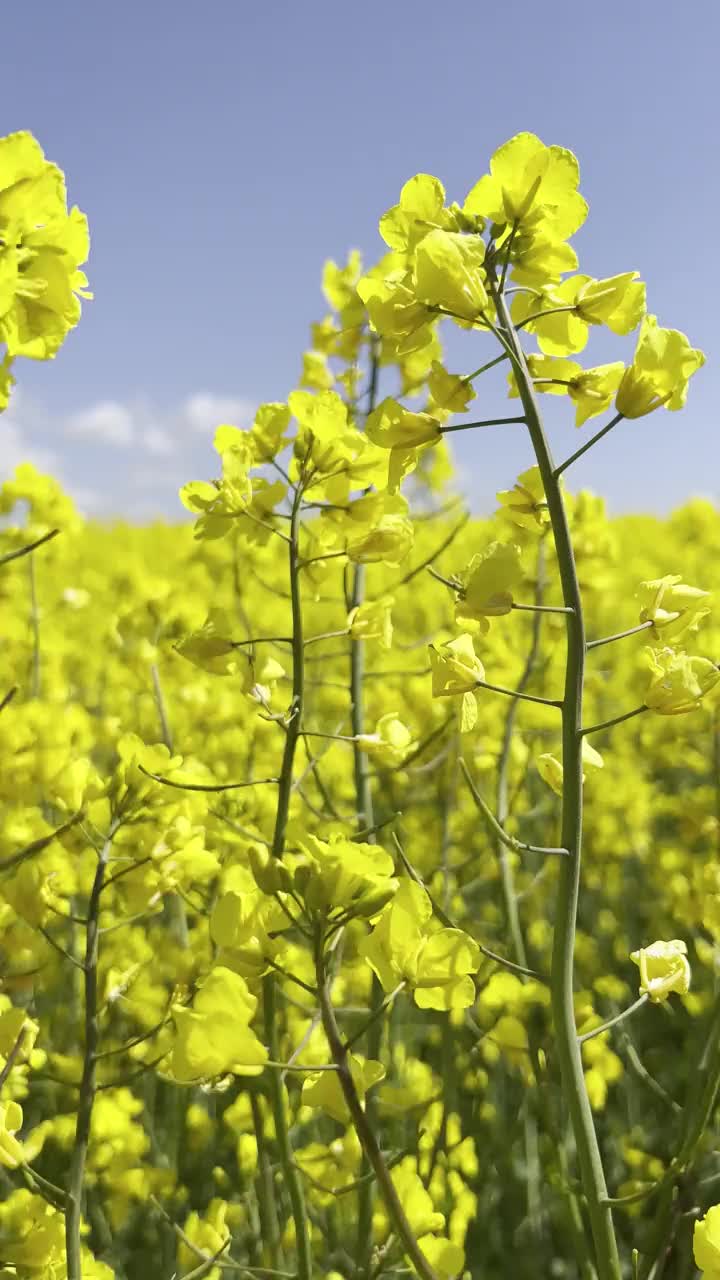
(292, 737)
(365, 1131)
(562, 979)
(87, 1091)
(611, 1022)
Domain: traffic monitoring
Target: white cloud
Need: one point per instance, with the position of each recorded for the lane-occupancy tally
(158, 442)
(156, 430)
(204, 411)
(23, 431)
(107, 422)
(141, 452)
(90, 502)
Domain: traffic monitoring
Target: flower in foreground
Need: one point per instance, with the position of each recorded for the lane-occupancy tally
(11, 1149)
(214, 1036)
(663, 968)
(706, 1243)
(456, 669)
(662, 366)
(678, 682)
(672, 606)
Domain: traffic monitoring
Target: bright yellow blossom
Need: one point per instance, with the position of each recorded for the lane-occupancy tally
(663, 968)
(706, 1243)
(662, 366)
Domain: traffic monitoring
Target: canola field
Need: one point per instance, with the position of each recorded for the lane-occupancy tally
(360, 857)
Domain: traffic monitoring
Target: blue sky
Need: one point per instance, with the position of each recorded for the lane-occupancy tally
(222, 151)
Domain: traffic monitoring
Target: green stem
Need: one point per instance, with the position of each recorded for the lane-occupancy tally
(285, 786)
(437, 552)
(446, 920)
(619, 635)
(608, 724)
(264, 1190)
(515, 693)
(174, 907)
(588, 445)
(641, 1072)
(507, 880)
(541, 608)
(484, 422)
(87, 1091)
(562, 978)
(35, 624)
(470, 377)
(537, 315)
(361, 763)
(293, 1182)
(704, 1092)
(499, 832)
(611, 1022)
(364, 1129)
(507, 883)
(25, 551)
(366, 821)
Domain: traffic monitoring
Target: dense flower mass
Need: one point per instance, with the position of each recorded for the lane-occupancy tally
(335, 818)
(42, 248)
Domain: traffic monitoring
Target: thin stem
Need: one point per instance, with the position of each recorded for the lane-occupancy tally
(264, 1189)
(447, 582)
(519, 846)
(562, 983)
(484, 422)
(536, 315)
(507, 879)
(174, 906)
(165, 730)
(608, 724)
(31, 546)
(13, 1056)
(86, 1097)
(446, 920)
(611, 1022)
(329, 555)
(366, 820)
(67, 955)
(437, 552)
(326, 635)
(35, 625)
(619, 635)
(207, 786)
(285, 788)
(508, 250)
(372, 831)
(377, 1012)
(696, 1115)
(588, 445)
(514, 693)
(541, 608)
(291, 977)
(242, 644)
(634, 1197)
(364, 1130)
(8, 697)
(293, 1182)
(640, 1070)
(470, 377)
(54, 1195)
(37, 846)
(309, 1067)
